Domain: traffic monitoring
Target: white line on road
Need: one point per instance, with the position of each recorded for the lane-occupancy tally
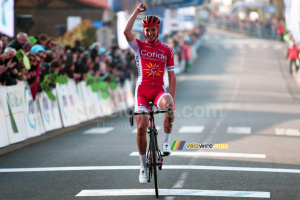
(212, 154)
(98, 130)
(137, 167)
(239, 130)
(180, 181)
(135, 130)
(289, 132)
(191, 129)
(177, 192)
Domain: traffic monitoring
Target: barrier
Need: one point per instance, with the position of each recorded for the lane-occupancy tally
(13, 101)
(66, 103)
(50, 112)
(86, 97)
(30, 109)
(22, 118)
(39, 117)
(3, 133)
(129, 95)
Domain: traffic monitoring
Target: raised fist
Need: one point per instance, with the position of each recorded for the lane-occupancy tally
(141, 7)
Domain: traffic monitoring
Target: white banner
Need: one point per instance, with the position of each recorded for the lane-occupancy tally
(66, 104)
(122, 98)
(82, 110)
(50, 112)
(30, 113)
(100, 104)
(39, 115)
(129, 93)
(14, 112)
(88, 99)
(3, 133)
(74, 96)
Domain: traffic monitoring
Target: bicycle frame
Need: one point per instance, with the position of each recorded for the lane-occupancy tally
(154, 155)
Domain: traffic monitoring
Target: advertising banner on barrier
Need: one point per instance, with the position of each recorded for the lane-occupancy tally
(3, 133)
(87, 96)
(114, 103)
(100, 104)
(82, 109)
(122, 99)
(30, 113)
(39, 116)
(66, 104)
(129, 93)
(93, 102)
(13, 100)
(50, 112)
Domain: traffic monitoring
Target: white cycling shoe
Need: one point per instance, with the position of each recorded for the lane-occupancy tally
(143, 178)
(166, 148)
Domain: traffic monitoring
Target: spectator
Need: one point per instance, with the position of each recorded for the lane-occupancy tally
(42, 39)
(28, 46)
(292, 55)
(186, 54)
(20, 42)
(81, 67)
(51, 45)
(4, 40)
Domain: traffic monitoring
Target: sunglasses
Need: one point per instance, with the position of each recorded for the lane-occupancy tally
(52, 44)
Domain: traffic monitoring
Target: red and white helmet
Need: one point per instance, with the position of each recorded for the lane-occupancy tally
(151, 20)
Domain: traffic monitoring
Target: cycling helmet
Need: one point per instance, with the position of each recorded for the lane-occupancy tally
(151, 20)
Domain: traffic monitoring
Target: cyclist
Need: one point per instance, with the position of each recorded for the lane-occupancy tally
(152, 57)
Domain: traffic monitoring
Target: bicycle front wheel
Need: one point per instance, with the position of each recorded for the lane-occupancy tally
(154, 160)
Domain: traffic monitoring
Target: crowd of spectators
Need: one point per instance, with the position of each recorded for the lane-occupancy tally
(46, 57)
(182, 41)
(270, 27)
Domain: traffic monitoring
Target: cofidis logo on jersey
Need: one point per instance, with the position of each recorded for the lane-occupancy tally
(153, 70)
(153, 54)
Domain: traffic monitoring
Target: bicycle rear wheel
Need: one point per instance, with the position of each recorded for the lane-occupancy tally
(154, 160)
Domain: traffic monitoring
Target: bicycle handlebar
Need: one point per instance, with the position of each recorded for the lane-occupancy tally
(169, 110)
(148, 113)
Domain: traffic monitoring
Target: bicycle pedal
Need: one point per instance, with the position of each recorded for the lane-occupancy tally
(165, 154)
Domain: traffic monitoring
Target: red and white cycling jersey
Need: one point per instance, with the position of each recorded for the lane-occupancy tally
(151, 62)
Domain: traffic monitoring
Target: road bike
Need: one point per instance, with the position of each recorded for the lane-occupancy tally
(154, 155)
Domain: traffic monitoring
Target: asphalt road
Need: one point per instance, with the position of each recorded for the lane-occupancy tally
(239, 93)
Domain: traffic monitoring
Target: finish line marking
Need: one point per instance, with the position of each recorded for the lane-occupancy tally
(98, 130)
(212, 154)
(137, 167)
(173, 192)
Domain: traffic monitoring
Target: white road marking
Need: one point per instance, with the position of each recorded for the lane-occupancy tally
(211, 154)
(98, 130)
(135, 130)
(289, 132)
(239, 130)
(180, 181)
(137, 167)
(191, 129)
(176, 192)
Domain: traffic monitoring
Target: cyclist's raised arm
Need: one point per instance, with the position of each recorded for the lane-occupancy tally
(127, 31)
